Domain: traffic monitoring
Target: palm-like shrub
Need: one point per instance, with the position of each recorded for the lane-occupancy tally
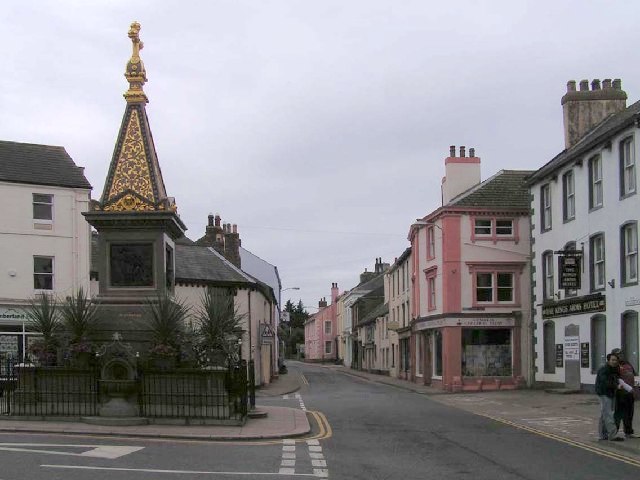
(217, 322)
(80, 318)
(166, 321)
(43, 317)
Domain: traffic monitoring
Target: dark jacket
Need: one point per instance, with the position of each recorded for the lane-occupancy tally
(607, 381)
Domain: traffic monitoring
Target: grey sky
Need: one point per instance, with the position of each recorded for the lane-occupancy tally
(319, 127)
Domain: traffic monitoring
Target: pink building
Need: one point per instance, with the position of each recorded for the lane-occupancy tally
(321, 332)
(470, 326)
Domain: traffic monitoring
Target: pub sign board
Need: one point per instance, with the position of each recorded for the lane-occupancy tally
(570, 274)
(575, 306)
(559, 355)
(584, 355)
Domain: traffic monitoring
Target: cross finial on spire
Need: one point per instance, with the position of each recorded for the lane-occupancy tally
(135, 72)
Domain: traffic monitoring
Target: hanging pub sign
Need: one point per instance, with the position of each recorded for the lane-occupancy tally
(569, 262)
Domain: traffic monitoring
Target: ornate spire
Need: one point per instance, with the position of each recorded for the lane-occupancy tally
(135, 72)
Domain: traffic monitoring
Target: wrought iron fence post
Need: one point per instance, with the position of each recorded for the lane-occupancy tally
(252, 385)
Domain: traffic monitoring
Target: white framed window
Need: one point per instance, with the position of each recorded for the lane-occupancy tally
(43, 207)
(545, 207)
(504, 228)
(495, 287)
(547, 272)
(482, 226)
(42, 273)
(484, 287)
(630, 253)
(597, 262)
(327, 327)
(328, 348)
(595, 182)
(627, 167)
(431, 288)
(569, 196)
(431, 243)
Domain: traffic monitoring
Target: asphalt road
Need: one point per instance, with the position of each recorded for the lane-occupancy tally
(376, 432)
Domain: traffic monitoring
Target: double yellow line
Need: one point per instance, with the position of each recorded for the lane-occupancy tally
(568, 441)
(304, 379)
(325, 430)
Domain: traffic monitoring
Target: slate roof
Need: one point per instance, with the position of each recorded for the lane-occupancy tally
(39, 165)
(201, 264)
(599, 134)
(379, 311)
(506, 189)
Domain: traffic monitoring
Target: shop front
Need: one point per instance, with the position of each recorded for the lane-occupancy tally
(14, 339)
(466, 353)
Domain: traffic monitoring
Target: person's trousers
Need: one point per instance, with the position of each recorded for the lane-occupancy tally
(624, 411)
(606, 426)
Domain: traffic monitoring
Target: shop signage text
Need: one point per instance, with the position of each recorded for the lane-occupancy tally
(575, 306)
(466, 322)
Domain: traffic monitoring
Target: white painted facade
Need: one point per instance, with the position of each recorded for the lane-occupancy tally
(397, 294)
(65, 239)
(617, 325)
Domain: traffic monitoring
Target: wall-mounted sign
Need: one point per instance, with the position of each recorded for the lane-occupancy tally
(559, 355)
(631, 301)
(466, 322)
(584, 355)
(571, 348)
(575, 306)
(570, 274)
(7, 314)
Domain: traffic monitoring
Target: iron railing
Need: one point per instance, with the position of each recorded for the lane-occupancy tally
(194, 393)
(54, 391)
(8, 381)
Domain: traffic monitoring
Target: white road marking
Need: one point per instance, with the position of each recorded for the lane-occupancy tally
(315, 448)
(288, 448)
(288, 455)
(316, 455)
(288, 463)
(315, 441)
(180, 472)
(285, 397)
(287, 471)
(321, 472)
(288, 441)
(318, 463)
(96, 451)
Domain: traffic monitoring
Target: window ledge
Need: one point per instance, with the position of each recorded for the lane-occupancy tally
(629, 284)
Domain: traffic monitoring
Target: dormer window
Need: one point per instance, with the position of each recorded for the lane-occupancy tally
(504, 228)
(482, 227)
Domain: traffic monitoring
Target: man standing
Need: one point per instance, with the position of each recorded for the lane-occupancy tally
(606, 386)
(624, 400)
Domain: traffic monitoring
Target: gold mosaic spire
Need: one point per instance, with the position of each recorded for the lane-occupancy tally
(134, 182)
(135, 72)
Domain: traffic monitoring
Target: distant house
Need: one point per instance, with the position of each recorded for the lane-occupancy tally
(470, 278)
(320, 331)
(585, 207)
(44, 238)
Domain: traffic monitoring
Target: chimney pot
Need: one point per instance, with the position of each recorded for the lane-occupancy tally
(606, 84)
(452, 151)
(210, 220)
(217, 218)
(235, 228)
(462, 152)
(571, 86)
(584, 85)
(472, 152)
(617, 84)
(595, 84)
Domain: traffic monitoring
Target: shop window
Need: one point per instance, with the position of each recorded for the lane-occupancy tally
(629, 337)
(43, 273)
(598, 342)
(627, 168)
(629, 253)
(42, 207)
(549, 346)
(437, 354)
(486, 352)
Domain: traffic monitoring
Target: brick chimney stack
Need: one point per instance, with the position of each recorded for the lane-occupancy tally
(334, 293)
(322, 303)
(461, 173)
(213, 234)
(583, 109)
(232, 244)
